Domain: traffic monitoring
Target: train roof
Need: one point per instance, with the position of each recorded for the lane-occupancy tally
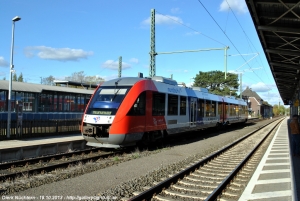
(167, 85)
(122, 81)
(38, 88)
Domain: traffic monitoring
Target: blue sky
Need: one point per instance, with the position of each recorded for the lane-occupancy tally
(60, 37)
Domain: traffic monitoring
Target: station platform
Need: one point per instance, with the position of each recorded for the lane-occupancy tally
(277, 177)
(11, 150)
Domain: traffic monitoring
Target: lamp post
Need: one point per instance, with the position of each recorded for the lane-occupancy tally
(15, 19)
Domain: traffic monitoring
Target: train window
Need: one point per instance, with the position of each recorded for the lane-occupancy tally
(200, 112)
(182, 105)
(220, 108)
(213, 109)
(139, 106)
(172, 104)
(233, 110)
(226, 108)
(112, 95)
(158, 104)
(208, 108)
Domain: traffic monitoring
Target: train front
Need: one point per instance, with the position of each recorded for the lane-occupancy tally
(100, 114)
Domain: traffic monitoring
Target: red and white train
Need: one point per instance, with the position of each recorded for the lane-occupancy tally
(125, 111)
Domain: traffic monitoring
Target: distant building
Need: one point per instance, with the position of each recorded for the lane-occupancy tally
(256, 104)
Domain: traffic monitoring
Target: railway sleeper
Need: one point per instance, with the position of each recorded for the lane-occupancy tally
(202, 185)
(218, 174)
(241, 180)
(195, 190)
(233, 188)
(203, 177)
(222, 161)
(162, 198)
(229, 194)
(182, 195)
(221, 164)
(206, 182)
(205, 168)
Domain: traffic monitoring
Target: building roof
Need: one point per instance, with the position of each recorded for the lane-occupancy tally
(38, 88)
(248, 92)
(72, 83)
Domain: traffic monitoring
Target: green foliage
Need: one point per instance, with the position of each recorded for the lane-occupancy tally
(216, 83)
(14, 78)
(279, 110)
(20, 78)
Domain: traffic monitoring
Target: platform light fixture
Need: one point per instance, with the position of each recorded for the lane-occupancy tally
(15, 19)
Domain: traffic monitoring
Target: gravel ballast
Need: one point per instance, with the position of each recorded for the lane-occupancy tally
(104, 182)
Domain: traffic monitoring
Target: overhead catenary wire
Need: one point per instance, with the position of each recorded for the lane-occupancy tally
(229, 39)
(247, 37)
(192, 29)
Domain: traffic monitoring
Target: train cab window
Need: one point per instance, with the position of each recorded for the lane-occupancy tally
(139, 106)
(172, 104)
(158, 104)
(182, 105)
(200, 111)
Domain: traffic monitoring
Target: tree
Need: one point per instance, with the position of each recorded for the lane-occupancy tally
(15, 77)
(216, 83)
(20, 78)
(93, 79)
(279, 110)
(76, 77)
(48, 80)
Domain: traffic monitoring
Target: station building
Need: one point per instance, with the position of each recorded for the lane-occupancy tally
(256, 105)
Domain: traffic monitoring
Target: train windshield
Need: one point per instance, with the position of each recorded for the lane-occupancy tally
(106, 101)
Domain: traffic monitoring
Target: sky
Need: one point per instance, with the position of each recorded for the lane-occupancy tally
(60, 37)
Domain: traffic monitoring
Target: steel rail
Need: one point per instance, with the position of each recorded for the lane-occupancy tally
(148, 194)
(6, 165)
(214, 195)
(53, 167)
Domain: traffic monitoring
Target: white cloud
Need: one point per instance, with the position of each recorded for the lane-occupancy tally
(134, 60)
(3, 63)
(261, 87)
(175, 10)
(59, 54)
(236, 5)
(114, 65)
(193, 33)
(164, 19)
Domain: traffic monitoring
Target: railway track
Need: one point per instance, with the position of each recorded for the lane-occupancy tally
(14, 169)
(208, 178)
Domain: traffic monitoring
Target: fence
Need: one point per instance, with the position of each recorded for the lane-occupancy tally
(39, 128)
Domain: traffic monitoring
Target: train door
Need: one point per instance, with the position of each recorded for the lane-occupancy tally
(193, 112)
